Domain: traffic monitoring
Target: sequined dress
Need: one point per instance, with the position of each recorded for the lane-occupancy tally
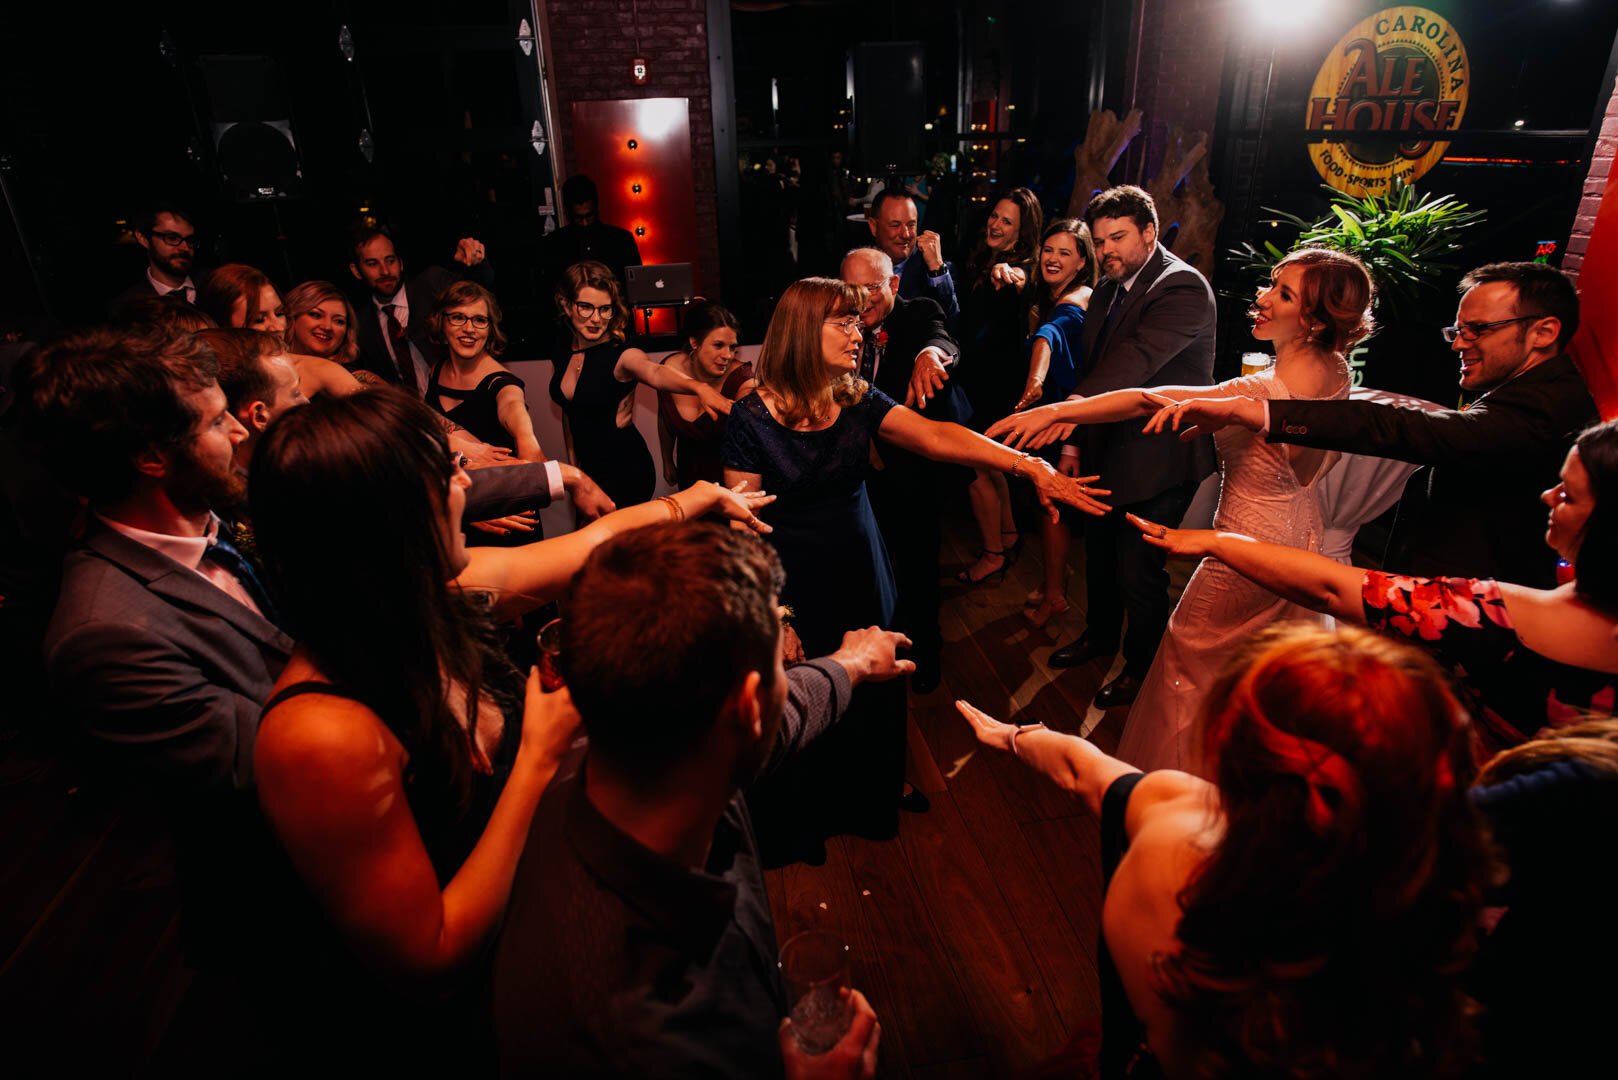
(1259, 496)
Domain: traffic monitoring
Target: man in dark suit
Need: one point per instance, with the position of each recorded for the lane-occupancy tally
(169, 236)
(1474, 509)
(907, 355)
(393, 315)
(162, 645)
(917, 260)
(585, 236)
(1151, 323)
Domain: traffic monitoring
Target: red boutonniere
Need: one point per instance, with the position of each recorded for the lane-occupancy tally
(881, 338)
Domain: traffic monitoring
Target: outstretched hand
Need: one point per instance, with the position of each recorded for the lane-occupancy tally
(740, 506)
(1053, 487)
(871, 655)
(990, 732)
(1206, 416)
(1029, 429)
(1195, 542)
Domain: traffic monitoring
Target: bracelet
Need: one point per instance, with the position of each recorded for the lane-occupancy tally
(1024, 459)
(676, 511)
(1018, 730)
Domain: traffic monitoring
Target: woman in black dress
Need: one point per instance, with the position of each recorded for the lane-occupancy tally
(594, 384)
(470, 386)
(690, 437)
(805, 434)
(994, 366)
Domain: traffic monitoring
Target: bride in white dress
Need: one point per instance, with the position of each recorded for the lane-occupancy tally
(1316, 307)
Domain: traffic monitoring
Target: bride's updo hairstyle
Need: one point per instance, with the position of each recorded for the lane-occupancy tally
(1336, 296)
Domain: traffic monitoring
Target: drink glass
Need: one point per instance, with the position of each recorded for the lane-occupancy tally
(1256, 363)
(814, 968)
(550, 654)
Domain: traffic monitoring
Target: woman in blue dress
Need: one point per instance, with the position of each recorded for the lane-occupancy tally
(1067, 272)
(805, 435)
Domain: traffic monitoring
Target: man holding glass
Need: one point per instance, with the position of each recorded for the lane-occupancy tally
(639, 940)
(1474, 510)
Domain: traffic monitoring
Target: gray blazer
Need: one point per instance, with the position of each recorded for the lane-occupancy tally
(1164, 337)
(163, 672)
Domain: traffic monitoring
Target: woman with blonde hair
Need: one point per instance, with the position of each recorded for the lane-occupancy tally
(805, 434)
(320, 322)
(1314, 309)
(1309, 910)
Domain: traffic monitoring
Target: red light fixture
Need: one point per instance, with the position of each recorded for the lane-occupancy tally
(640, 230)
(635, 188)
(633, 145)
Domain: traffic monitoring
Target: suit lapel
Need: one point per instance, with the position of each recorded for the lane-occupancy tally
(168, 579)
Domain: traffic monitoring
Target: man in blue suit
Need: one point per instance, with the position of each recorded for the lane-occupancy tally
(918, 260)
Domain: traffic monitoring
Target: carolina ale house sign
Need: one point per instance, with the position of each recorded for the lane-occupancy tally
(1387, 92)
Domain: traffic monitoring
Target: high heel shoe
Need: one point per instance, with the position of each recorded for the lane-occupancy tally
(965, 576)
(1014, 549)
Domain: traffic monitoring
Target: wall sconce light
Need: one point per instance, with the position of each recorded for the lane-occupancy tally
(635, 188)
(640, 230)
(633, 145)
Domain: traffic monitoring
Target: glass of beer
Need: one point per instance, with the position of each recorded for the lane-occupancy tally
(1256, 363)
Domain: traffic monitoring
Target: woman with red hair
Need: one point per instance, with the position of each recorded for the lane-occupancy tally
(1309, 911)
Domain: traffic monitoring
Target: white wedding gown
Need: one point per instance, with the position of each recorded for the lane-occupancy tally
(1259, 496)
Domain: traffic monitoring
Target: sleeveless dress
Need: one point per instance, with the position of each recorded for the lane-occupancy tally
(321, 1003)
(478, 410)
(1260, 496)
(838, 578)
(994, 361)
(697, 442)
(615, 458)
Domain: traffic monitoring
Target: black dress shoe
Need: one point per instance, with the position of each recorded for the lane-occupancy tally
(1081, 651)
(1120, 692)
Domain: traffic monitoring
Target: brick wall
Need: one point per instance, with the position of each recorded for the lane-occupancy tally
(592, 43)
(1595, 185)
(1175, 69)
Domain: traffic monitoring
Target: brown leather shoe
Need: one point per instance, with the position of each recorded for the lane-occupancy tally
(1120, 692)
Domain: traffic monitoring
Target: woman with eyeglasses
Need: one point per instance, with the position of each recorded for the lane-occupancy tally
(806, 434)
(470, 386)
(594, 384)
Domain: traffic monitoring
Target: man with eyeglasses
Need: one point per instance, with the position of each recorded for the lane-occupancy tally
(1473, 510)
(170, 239)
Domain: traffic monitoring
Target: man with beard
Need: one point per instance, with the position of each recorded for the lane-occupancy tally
(162, 646)
(170, 239)
(392, 326)
(638, 940)
(918, 260)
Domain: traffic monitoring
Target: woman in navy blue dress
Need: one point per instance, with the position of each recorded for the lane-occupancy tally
(805, 435)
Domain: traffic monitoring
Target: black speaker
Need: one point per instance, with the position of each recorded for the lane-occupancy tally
(254, 145)
(889, 104)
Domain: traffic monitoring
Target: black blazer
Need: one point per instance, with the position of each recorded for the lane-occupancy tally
(421, 292)
(912, 326)
(1164, 337)
(1475, 510)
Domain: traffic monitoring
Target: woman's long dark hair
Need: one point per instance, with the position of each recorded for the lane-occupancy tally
(348, 497)
(1326, 933)
(1595, 567)
(1088, 274)
(1025, 252)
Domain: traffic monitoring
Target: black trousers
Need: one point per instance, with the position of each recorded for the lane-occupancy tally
(1126, 575)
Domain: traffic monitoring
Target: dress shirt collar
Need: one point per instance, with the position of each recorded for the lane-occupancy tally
(693, 907)
(399, 301)
(1129, 282)
(188, 287)
(185, 550)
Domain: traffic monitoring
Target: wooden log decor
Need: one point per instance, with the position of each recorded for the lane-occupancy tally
(1105, 140)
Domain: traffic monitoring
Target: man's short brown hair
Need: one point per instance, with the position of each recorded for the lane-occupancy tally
(659, 628)
(1542, 290)
(1123, 201)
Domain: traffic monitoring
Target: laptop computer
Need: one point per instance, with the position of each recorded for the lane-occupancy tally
(669, 285)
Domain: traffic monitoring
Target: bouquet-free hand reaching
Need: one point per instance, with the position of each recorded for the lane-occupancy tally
(1053, 487)
(1194, 417)
(990, 732)
(739, 505)
(1195, 542)
(1031, 429)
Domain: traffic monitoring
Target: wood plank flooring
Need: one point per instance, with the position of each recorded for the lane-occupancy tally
(974, 934)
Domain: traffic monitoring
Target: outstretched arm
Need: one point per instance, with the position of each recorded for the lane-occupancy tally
(634, 364)
(1042, 426)
(1310, 580)
(961, 446)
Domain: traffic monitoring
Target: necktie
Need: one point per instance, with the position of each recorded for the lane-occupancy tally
(1109, 323)
(870, 358)
(223, 553)
(401, 349)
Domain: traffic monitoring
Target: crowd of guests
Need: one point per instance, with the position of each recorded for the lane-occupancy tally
(305, 571)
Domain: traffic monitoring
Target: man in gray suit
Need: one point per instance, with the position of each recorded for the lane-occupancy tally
(1151, 323)
(162, 646)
